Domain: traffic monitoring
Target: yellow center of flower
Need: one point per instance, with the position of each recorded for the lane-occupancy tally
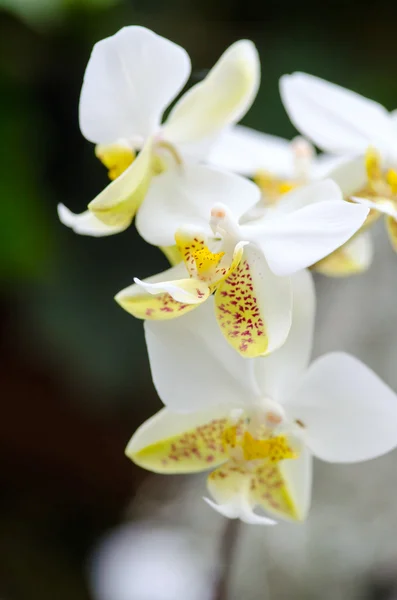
(249, 447)
(273, 187)
(116, 158)
(200, 262)
(206, 261)
(382, 184)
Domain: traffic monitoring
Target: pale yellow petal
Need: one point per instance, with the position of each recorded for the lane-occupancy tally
(228, 482)
(221, 99)
(269, 489)
(160, 300)
(238, 313)
(119, 201)
(197, 447)
(172, 254)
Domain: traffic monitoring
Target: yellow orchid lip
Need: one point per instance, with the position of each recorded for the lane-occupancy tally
(245, 461)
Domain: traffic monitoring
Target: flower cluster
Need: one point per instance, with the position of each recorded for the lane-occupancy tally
(242, 217)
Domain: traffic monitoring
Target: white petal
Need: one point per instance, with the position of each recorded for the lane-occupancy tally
(117, 204)
(192, 365)
(173, 273)
(324, 164)
(150, 298)
(360, 250)
(166, 424)
(86, 223)
(246, 151)
(298, 473)
(179, 293)
(278, 374)
(386, 207)
(301, 238)
(220, 100)
(185, 195)
(238, 509)
(130, 79)
(336, 119)
(305, 195)
(349, 414)
(350, 175)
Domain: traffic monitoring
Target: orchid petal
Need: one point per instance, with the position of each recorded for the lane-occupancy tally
(277, 375)
(335, 119)
(299, 239)
(305, 195)
(298, 473)
(239, 509)
(152, 299)
(246, 151)
(172, 254)
(325, 164)
(171, 442)
(192, 365)
(253, 306)
(229, 486)
(221, 99)
(347, 412)
(385, 207)
(190, 291)
(130, 79)
(271, 492)
(185, 195)
(350, 259)
(350, 175)
(86, 223)
(117, 204)
(284, 488)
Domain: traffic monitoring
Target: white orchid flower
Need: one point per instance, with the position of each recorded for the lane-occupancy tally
(364, 180)
(248, 266)
(380, 194)
(277, 165)
(355, 256)
(257, 422)
(343, 122)
(131, 78)
(338, 120)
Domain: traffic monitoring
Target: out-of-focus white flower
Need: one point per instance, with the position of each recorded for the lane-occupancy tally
(248, 266)
(258, 422)
(149, 562)
(343, 122)
(380, 194)
(130, 80)
(338, 120)
(276, 164)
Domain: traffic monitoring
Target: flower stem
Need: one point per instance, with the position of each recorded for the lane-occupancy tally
(227, 555)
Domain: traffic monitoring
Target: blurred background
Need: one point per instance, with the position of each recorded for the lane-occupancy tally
(78, 521)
